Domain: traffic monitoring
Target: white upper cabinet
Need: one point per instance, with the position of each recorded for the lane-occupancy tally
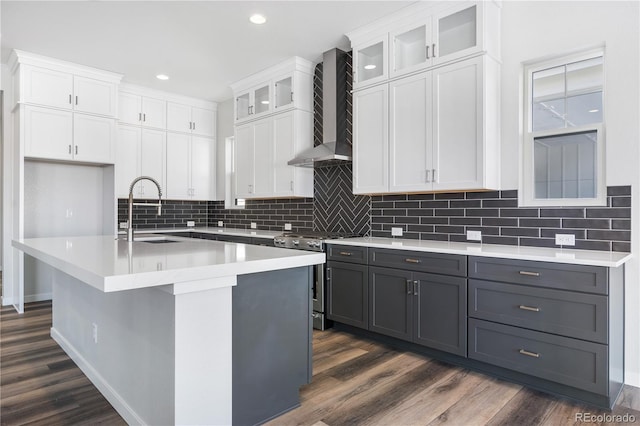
(65, 86)
(142, 110)
(279, 88)
(191, 119)
(140, 152)
(190, 167)
(424, 35)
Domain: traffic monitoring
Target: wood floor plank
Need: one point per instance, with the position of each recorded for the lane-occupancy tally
(527, 408)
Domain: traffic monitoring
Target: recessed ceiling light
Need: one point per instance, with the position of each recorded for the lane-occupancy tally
(594, 110)
(369, 67)
(162, 77)
(257, 19)
(264, 102)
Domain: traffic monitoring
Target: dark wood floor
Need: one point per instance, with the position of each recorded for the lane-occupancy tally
(356, 382)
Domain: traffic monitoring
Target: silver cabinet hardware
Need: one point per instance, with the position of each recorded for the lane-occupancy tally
(527, 353)
(328, 277)
(529, 308)
(409, 287)
(415, 288)
(530, 274)
(345, 253)
(139, 116)
(291, 96)
(69, 149)
(76, 149)
(291, 185)
(428, 53)
(409, 260)
(433, 175)
(194, 125)
(76, 100)
(69, 99)
(427, 176)
(433, 50)
(144, 117)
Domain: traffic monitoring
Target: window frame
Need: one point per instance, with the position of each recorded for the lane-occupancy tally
(526, 192)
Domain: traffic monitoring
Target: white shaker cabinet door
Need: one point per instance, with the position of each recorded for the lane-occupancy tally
(203, 122)
(371, 140)
(153, 151)
(47, 87)
(178, 166)
(410, 134)
(178, 117)
(48, 133)
(127, 160)
(243, 157)
(203, 160)
(263, 158)
(94, 96)
(94, 138)
(457, 126)
(154, 113)
(283, 131)
(129, 108)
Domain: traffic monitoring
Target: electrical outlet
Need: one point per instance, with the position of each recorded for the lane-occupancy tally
(287, 227)
(565, 240)
(191, 223)
(220, 223)
(94, 332)
(474, 235)
(254, 225)
(396, 232)
(123, 225)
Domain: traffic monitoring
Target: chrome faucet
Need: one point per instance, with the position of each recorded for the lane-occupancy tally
(131, 203)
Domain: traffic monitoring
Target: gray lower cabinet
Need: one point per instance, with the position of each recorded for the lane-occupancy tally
(427, 309)
(347, 293)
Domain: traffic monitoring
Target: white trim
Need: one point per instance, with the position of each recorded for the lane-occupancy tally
(20, 57)
(120, 405)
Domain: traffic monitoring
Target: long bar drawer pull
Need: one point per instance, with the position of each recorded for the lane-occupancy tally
(529, 308)
(345, 253)
(530, 274)
(412, 260)
(527, 353)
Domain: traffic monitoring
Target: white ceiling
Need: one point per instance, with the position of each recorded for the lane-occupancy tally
(203, 46)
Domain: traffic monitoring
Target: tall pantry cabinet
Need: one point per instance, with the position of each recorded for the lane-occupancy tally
(273, 113)
(426, 93)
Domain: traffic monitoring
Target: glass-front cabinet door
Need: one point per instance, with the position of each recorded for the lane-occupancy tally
(370, 62)
(243, 105)
(411, 49)
(261, 103)
(456, 33)
(283, 92)
(254, 102)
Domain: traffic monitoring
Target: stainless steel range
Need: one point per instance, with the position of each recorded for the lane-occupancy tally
(313, 241)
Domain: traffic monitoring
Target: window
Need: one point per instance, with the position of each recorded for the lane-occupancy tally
(563, 150)
(230, 200)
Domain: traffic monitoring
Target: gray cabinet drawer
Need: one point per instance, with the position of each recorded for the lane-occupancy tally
(583, 316)
(436, 263)
(351, 254)
(592, 279)
(571, 362)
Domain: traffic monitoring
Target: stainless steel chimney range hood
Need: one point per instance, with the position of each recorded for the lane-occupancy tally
(335, 145)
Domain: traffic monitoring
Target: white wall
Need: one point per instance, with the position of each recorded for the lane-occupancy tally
(535, 30)
(225, 129)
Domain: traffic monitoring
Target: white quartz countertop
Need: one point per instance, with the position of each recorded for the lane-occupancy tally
(255, 233)
(542, 254)
(111, 264)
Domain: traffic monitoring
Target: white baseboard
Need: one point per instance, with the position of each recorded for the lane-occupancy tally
(28, 298)
(7, 301)
(92, 374)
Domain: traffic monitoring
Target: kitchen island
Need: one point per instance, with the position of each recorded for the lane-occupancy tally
(180, 331)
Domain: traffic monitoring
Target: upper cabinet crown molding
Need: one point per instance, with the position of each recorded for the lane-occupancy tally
(295, 63)
(20, 57)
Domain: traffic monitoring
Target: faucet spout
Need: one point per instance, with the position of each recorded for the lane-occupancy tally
(130, 204)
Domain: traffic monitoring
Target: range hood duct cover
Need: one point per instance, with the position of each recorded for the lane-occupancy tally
(335, 145)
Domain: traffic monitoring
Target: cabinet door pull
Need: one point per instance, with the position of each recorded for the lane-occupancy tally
(194, 125)
(409, 287)
(76, 100)
(415, 288)
(291, 185)
(139, 116)
(291, 96)
(69, 149)
(409, 260)
(529, 308)
(433, 175)
(69, 103)
(433, 50)
(345, 253)
(144, 117)
(530, 274)
(328, 277)
(76, 149)
(527, 353)
(428, 53)
(427, 176)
